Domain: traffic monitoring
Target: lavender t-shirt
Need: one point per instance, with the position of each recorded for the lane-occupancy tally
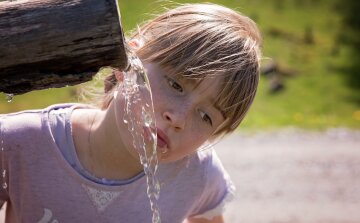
(43, 186)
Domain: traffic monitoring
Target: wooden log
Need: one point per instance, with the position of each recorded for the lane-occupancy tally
(54, 43)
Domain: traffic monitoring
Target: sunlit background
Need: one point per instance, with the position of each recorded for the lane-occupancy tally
(298, 149)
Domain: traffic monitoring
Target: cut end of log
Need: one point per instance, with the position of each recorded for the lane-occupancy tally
(56, 43)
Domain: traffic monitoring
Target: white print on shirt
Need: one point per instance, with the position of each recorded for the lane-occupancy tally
(47, 217)
(100, 198)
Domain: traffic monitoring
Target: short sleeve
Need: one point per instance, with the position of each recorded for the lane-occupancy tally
(218, 191)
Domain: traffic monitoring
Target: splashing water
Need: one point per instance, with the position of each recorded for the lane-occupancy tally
(140, 118)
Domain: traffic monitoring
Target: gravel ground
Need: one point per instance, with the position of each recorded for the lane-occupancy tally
(293, 176)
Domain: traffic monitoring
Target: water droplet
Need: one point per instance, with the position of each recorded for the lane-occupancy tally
(9, 97)
(4, 185)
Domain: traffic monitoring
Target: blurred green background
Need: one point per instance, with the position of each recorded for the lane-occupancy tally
(313, 44)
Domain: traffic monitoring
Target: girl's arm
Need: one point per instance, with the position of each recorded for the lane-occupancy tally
(217, 219)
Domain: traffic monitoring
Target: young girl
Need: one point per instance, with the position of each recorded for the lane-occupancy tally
(76, 163)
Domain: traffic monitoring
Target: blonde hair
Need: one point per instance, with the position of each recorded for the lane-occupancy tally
(206, 40)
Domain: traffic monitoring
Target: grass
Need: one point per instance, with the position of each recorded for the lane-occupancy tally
(316, 96)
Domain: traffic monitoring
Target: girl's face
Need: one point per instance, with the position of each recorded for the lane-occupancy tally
(185, 114)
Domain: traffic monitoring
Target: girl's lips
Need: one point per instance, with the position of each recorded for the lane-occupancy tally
(160, 142)
(162, 139)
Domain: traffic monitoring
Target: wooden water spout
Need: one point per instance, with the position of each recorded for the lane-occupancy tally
(54, 43)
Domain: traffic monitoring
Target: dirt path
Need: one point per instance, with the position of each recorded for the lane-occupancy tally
(294, 176)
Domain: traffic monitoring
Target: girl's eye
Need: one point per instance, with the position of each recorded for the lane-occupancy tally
(206, 118)
(175, 85)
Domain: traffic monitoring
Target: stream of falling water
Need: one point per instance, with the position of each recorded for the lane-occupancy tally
(140, 118)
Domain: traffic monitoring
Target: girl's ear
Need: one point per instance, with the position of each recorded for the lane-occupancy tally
(118, 75)
(135, 43)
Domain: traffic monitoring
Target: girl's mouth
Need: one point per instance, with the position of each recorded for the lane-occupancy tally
(162, 139)
(160, 142)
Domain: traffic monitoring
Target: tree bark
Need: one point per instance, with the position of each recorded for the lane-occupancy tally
(54, 43)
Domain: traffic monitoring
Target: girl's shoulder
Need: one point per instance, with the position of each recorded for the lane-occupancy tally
(23, 117)
(198, 167)
(203, 166)
(21, 122)
(209, 160)
(217, 188)
(216, 177)
(27, 123)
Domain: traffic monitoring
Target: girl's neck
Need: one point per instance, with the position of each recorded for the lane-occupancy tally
(99, 147)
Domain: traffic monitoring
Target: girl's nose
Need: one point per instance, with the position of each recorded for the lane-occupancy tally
(175, 119)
